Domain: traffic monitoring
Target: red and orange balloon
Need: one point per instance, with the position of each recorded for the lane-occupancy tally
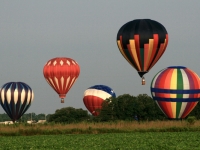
(61, 73)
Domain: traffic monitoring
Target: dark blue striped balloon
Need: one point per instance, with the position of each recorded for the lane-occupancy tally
(16, 98)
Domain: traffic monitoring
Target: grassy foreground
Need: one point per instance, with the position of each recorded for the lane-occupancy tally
(97, 128)
(108, 141)
(149, 135)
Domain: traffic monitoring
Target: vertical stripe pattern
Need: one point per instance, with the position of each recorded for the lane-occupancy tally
(94, 96)
(16, 98)
(176, 91)
(61, 73)
(142, 42)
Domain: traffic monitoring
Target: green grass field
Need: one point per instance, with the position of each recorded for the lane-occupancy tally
(148, 135)
(110, 141)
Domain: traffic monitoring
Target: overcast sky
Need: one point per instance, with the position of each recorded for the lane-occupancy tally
(32, 32)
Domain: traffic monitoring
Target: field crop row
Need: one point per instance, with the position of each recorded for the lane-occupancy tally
(137, 140)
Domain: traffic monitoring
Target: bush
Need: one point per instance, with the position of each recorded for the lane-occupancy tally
(68, 115)
(191, 120)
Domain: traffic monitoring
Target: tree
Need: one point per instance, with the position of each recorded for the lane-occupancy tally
(147, 109)
(107, 113)
(121, 108)
(4, 117)
(127, 107)
(196, 111)
(68, 115)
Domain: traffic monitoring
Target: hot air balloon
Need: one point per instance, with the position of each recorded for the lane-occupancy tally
(142, 42)
(176, 90)
(16, 98)
(61, 73)
(94, 96)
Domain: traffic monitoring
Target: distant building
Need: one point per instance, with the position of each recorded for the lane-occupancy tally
(6, 122)
(29, 122)
(41, 121)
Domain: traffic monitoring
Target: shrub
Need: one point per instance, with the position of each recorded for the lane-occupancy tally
(191, 120)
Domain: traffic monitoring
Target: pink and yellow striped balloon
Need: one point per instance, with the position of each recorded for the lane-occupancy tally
(176, 90)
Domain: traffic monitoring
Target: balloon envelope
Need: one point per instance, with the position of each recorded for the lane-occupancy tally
(176, 90)
(61, 73)
(142, 42)
(94, 96)
(16, 98)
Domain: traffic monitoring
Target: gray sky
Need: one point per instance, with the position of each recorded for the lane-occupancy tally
(32, 32)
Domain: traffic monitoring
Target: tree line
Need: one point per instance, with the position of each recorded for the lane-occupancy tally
(26, 117)
(130, 108)
(123, 107)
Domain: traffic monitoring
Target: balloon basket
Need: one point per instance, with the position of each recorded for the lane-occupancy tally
(62, 100)
(143, 81)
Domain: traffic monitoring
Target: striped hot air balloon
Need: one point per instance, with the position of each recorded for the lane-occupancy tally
(142, 42)
(176, 90)
(61, 73)
(16, 98)
(94, 96)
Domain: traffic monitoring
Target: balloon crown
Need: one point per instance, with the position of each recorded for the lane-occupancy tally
(178, 67)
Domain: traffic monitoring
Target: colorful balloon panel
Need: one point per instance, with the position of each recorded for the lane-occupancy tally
(142, 42)
(94, 96)
(176, 91)
(16, 98)
(61, 73)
